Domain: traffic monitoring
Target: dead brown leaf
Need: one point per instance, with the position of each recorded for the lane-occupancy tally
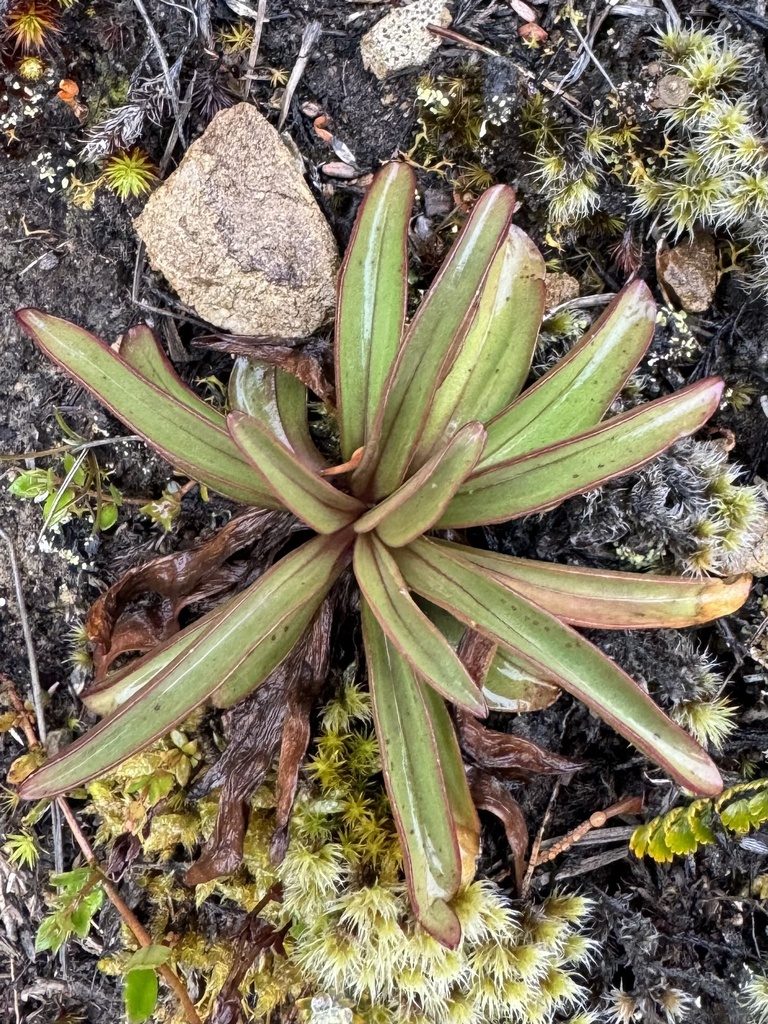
(489, 794)
(505, 755)
(179, 579)
(305, 359)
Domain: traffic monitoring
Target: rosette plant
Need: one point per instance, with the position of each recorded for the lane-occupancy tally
(435, 437)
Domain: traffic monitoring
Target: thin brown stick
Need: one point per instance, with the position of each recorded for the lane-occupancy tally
(128, 916)
(460, 40)
(629, 805)
(538, 840)
(137, 928)
(34, 675)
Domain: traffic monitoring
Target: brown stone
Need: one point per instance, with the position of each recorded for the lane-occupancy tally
(559, 287)
(238, 234)
(688, 273)
(672, 92)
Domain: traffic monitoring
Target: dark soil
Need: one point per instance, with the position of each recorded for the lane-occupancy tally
(693, 925)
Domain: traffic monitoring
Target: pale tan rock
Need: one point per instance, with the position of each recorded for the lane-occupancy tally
(688, 274)
(238, 234)
(559, 287)
(401, 38)
(754, 560)
(672, 92)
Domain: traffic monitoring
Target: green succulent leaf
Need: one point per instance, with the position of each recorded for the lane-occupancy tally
(415, 784)
(511, 686)
(416, 506)
(182, 434)
(543, 479)
(407, 628)
(577, 392)
(465, 818)
(554, 649)
(602, 599)
(508, 684)
(141, 350)
(247, 641)
(372, 294)
(118, 686)
(316, 502)
(496, 354)
(431, 345)
(278, 400)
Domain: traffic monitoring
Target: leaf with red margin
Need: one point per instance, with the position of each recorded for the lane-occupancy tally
(431, 346)
(543, 479)
(605, 599)
(317, 503)
(577, 392)
(182, 434)
(496, 354)
(407, 627)
(372, 295)
(246, 642)
(415, 784)
(549, 646)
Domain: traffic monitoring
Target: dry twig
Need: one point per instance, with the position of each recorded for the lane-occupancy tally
(312, 33)
(60, 804)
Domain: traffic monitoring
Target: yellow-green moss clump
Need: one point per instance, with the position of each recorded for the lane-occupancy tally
(352, 942)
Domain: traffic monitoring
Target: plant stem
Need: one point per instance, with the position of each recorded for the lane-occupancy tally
(141, 935)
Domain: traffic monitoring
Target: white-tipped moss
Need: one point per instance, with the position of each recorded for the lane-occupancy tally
(622, 1007)
(711, 722)
(754, 999)
(716, 170)
(351, 933)
(675, 1005)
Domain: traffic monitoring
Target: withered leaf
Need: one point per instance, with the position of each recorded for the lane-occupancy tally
(505, 755)
(476, 653)
(253, 937)
(490, 795)
(303, 358)
(277, 714)
(179, 579)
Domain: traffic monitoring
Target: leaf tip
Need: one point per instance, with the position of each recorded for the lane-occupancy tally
(26, 317)
(727, 597)
(707, 782)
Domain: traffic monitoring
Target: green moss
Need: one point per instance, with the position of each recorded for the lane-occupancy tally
(351, 932)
